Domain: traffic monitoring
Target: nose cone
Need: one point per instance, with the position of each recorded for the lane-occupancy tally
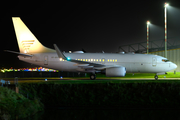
(173, 66)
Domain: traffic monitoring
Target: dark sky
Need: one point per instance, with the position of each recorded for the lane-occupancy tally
(92, 26)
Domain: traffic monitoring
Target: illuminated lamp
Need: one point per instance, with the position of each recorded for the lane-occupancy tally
(68, 58)
(166, 5)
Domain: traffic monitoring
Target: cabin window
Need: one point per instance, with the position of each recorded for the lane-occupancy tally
(103, 60)
(111, 60)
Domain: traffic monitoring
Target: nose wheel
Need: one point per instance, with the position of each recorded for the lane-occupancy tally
(92, 76)
(156, 77)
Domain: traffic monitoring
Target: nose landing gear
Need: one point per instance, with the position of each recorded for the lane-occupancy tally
(156, 77)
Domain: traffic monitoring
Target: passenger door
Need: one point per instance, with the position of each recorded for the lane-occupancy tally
(154, 62)
(45, 60)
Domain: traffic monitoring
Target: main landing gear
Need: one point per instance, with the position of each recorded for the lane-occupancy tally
(92, 76)
(156, 77)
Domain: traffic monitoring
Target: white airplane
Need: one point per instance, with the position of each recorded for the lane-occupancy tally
(110, 64)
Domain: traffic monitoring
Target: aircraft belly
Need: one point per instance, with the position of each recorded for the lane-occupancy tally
(135, 67)
(142, 68)
(147, 68)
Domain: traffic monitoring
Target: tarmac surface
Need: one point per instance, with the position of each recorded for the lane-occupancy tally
(83, 79)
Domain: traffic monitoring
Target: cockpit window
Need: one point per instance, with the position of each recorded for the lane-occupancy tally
(165, 60)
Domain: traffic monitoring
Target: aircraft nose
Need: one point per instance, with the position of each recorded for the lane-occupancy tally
(174, 66)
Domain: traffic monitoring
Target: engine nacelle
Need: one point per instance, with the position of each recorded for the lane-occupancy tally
(115, 72)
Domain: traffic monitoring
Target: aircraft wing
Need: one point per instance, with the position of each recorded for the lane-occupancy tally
(82, 64)
(89, 63)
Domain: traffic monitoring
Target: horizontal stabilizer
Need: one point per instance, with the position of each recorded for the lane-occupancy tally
(18, 53)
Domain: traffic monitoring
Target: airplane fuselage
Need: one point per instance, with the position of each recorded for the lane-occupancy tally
(134, 63)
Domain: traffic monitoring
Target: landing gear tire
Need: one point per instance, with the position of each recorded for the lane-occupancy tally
(92, 76)
(156, 77)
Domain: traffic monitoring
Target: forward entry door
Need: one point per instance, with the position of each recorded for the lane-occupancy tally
(154, 62)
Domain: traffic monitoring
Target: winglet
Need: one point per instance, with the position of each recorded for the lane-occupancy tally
(60, 54)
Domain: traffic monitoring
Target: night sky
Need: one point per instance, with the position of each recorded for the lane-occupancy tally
(92, 26)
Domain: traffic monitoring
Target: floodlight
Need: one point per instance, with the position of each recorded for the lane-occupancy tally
(166, 5)
(148, 22)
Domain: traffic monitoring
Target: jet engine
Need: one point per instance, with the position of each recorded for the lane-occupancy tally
(115, 72)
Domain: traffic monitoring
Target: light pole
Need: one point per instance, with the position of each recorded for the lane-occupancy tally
(165, 22)
(148, 36)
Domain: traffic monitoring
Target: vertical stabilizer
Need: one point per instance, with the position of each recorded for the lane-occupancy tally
(27, 42)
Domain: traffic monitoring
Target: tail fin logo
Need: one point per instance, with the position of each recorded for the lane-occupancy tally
(27, 44)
